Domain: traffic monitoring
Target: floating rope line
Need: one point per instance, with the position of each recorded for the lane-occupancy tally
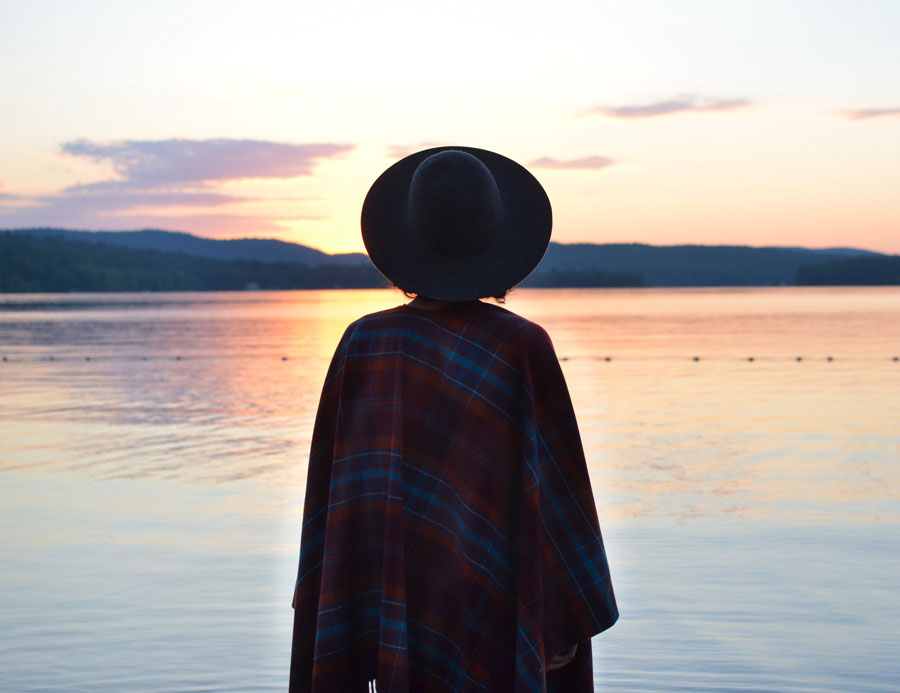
(607, 359)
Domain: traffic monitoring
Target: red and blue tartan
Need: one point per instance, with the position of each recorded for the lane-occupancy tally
(450, 540)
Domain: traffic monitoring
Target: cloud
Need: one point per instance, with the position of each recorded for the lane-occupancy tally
(167, 174)
(869, 113)
(84, 197)
(157, 163)
(587, 162)
(680, 104)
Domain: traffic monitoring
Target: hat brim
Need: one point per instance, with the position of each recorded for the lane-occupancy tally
(414, 266)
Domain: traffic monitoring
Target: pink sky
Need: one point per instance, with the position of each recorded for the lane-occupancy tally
(644, 123)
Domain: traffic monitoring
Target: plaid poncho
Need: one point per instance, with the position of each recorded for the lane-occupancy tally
(450, 540)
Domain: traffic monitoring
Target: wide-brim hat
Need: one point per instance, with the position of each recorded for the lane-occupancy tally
(456, 223)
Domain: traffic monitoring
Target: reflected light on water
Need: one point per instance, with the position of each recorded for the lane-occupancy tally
(215, 388)
(152, 494)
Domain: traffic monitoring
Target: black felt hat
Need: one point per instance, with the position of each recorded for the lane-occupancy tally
(456, 223)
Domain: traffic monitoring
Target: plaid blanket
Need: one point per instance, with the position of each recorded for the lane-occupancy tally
(450, 540)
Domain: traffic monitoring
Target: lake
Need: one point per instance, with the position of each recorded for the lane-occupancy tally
(743, 444)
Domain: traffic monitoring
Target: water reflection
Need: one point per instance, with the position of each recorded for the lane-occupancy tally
(151, 507)
(212, 388)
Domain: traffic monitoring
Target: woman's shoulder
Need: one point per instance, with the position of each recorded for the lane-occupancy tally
(475, 319)
(378, 316)
(522, 331)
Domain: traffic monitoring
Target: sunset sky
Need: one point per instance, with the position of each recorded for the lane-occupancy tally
(751, 122)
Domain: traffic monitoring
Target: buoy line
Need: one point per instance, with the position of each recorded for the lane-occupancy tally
(6, 358)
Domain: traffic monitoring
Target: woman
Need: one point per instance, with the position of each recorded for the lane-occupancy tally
(450, 540)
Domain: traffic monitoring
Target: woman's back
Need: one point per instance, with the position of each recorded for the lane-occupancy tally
(450, 541)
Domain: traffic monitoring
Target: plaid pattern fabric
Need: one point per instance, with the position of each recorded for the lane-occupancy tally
(450, 540)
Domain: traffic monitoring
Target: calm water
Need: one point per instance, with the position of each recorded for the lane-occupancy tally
(152, 467)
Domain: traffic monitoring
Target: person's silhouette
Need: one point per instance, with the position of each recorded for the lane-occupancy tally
(450, 540)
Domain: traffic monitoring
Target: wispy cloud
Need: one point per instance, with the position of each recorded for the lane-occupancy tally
(178, 162)
(167, 175)
(586, 162)
(679, 104)
(111, 199)
(869, 113)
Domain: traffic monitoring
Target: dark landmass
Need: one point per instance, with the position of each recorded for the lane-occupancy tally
(261, 249)
(582, 278)
(858, 271)
(58, 260)
(54, 264)
(692, 265)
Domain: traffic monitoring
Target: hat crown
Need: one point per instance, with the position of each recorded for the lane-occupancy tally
(454, 204)
(424, 235)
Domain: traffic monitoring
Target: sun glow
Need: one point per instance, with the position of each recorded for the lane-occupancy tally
(282, 134)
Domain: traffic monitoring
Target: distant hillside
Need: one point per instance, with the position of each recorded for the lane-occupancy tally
(261, 249)
(55, 264)
(855, 271)
(298, 266)
(586, 277)
(690, 265)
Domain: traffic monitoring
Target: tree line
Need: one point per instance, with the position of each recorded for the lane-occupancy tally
(54, 264)
(858, 271)
(30, 264)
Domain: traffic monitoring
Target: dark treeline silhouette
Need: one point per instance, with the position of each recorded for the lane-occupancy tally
(47, 261)
(583, 278)
(858, 271)
(692, 265)
(574, 264)
(262, 249)
(53, 264)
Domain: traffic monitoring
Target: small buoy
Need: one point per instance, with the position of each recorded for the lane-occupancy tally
(750, 358)
(50, 358)
(896, 358)
(178, 358)
(87, 358)
(831, 358)
(799, 358)
(609, 358)
(145, 358)
(284, 358)
(696, 358)
(4, 358)
(564, 358)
